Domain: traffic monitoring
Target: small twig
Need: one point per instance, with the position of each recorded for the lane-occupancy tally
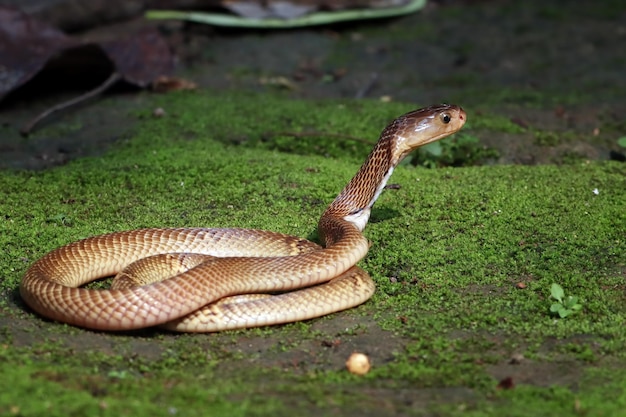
(331, 135)
(28, 127)
(365, 90)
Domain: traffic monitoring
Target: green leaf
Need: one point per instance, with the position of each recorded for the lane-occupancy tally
(622, 141)
(434, 148)
(317, 18)
(563, 312)
(554, 308)
(570, 301)
(557, 292)
(61, 219)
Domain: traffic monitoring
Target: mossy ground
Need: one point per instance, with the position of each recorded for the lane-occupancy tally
(449, 330)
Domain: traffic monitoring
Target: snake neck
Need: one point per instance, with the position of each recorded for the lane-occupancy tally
(354, 202)
(350, 210)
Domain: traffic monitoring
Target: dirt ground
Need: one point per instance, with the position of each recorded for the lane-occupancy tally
(550, 67)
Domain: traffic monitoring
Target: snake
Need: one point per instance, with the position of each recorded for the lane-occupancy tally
(213, 279)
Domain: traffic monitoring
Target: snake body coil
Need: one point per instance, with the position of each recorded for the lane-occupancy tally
(220, 275)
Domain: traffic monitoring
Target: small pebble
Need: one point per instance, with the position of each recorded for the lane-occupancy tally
(358, 364)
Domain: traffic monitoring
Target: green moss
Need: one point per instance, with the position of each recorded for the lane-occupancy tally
(450, 247)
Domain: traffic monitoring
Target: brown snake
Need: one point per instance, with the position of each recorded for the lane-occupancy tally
(240, 261)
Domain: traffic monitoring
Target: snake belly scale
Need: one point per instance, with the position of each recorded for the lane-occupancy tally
(228, 278)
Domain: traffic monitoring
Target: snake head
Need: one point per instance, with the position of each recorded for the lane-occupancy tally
(426, 125)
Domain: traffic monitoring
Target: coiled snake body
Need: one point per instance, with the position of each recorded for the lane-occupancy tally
(220, 275)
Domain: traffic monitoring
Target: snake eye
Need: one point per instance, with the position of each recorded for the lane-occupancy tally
(445, 118)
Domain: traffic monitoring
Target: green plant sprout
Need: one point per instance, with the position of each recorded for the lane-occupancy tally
(462, 150)
(565, 306)
(61, 219)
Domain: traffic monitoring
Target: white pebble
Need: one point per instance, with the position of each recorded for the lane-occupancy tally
(358, 364)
